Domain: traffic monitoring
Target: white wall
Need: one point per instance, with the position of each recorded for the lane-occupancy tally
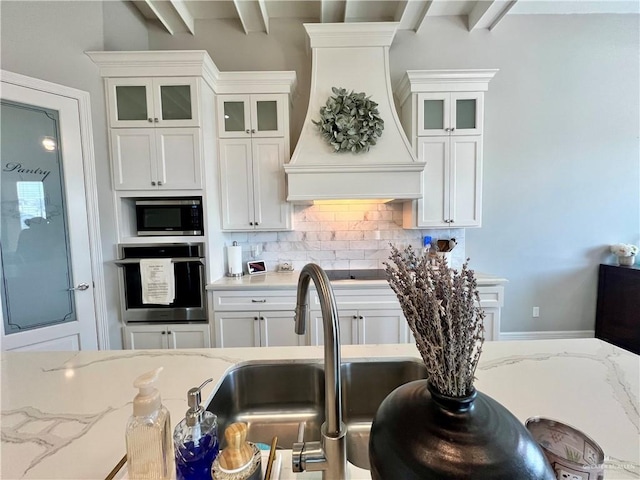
(561, 145)
(47, 40)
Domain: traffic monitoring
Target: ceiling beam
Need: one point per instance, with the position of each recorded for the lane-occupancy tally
(333, 11)
(173, 15)
(402, 6)
(262, 4)
(487, 14)
(413, 14)
(251, 15)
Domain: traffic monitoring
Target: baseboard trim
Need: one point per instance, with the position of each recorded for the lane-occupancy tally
(547, 335)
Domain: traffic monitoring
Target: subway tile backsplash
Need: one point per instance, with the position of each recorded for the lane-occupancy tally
(341, 236)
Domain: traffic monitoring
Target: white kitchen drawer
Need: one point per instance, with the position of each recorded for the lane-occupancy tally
(244, 300)
(492, 296)
(365, 298)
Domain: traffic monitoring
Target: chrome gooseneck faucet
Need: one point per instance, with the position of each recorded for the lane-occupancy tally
(330, 454)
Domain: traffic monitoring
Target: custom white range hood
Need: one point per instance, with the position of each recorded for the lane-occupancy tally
(355, 57)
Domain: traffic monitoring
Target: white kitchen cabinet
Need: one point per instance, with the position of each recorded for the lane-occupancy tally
(367, 316)
(452, 182)
(491, 301)
(442, 113)
(257, 329)
(156, 158)
(254, 115)
(254, 318)
(166, 336)
(253, 131)
(253, 187)
(150, 102)
(365, 326)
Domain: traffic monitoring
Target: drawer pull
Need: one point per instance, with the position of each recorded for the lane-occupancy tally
(253, 300)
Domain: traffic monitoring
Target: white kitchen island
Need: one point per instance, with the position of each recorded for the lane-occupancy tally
(64, 413)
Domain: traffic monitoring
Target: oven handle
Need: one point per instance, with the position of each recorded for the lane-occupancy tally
(130, 261)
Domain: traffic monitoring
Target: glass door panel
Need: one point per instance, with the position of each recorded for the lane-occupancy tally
(131, 102)
(35, 253)
(175, 102)
(234, 120)
(433, 117)
(465, 113)
(267, 113)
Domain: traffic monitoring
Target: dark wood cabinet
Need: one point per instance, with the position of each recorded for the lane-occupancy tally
(618, 309)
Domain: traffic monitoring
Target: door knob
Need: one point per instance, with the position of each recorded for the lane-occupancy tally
(82, 287)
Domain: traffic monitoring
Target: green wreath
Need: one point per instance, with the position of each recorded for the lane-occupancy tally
(350, 121)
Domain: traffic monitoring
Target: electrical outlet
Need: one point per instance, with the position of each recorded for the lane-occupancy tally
(536, 312)
(285, 267)
(564, 475)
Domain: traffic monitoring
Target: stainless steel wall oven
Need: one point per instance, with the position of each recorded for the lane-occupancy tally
(189, 304)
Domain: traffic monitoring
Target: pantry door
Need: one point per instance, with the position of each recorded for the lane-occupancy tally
(47, 286)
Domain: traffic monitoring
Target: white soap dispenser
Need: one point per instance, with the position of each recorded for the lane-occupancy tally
(148, 433)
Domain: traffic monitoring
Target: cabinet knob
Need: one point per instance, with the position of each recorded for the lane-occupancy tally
(452, 129)
(253, 130)
(164, 333)
(261, 318)
(360, 317)
(155, 120)
(247, 131)
(255, 318)
(159, 183)
(169, 332)
(256, 223)
(250, 223)
(153, 183)
(355, 317)
(150, 120)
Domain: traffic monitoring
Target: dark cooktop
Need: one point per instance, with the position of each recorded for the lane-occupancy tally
(364, 274)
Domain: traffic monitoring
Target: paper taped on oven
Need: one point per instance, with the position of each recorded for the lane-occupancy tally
(158, 281)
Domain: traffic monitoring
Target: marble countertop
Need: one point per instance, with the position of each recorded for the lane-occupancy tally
(286, 280)
(64, 413)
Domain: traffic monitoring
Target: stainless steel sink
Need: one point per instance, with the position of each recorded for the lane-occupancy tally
(364, 386)
(272, 399)
(275, 398)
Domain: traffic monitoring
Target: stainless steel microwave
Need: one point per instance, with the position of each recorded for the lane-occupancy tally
(169, 216)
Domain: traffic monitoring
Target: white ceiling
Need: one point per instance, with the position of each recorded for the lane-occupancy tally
(255, 15)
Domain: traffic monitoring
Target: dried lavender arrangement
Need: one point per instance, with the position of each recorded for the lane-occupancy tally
(438, 303)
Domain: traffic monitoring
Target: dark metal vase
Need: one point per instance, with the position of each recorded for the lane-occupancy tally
(422, 435)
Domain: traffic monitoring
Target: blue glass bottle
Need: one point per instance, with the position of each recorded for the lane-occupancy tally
(195, 440)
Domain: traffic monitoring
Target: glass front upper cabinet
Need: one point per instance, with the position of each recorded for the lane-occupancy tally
(251, 116)
(146, 102)
(458, 113)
